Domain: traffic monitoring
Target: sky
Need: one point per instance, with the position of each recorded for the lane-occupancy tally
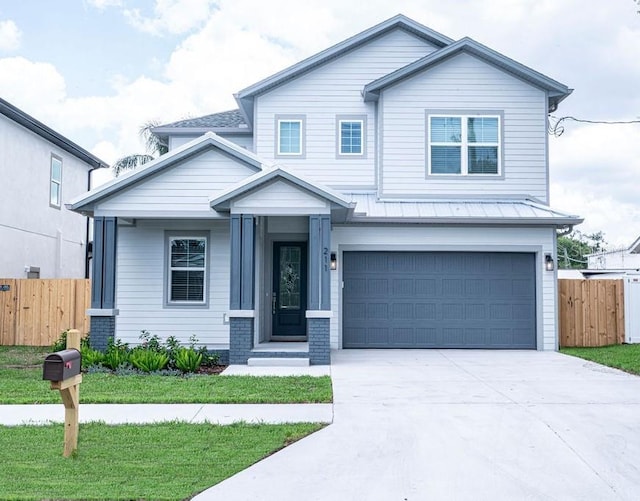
(96, 70)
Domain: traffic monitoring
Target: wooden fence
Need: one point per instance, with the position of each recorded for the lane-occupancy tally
(591, 312)
(35, 312)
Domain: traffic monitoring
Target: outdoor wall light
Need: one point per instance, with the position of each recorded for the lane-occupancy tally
(334, 261)
(549, 265)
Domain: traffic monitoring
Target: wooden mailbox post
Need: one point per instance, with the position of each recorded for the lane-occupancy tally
(63, 370)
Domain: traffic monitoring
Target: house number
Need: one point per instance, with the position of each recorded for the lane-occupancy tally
(5, 288)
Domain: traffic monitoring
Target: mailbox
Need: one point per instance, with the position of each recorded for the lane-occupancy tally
(62, 365)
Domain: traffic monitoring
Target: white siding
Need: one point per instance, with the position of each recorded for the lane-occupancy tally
(245, 141)
(140, 283)
(464, 83)
(183, 188)
(280, 197)
(32, 233)
(617, 260)
(539, 240)
(330, 90)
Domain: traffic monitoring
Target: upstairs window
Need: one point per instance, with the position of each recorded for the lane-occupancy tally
(350, 137)
(464, 145)
(55, 184)
(187, 270)
(289, 136)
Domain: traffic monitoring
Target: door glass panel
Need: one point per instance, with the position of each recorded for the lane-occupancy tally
(290, 277)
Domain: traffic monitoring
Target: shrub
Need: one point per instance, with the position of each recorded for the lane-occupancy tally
(187, 359)
(91, 357)
(148, 360)
(117, 354)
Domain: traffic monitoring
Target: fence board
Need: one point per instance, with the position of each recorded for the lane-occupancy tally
(591, 312)
(8, 313)
(35, 312)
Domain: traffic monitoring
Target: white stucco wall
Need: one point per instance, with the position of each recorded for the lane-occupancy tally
(32, 233)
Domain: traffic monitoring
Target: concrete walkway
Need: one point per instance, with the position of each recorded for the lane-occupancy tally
(461, 425)
(11, 415)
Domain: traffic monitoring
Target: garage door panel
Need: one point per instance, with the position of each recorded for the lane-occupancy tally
(439, 299)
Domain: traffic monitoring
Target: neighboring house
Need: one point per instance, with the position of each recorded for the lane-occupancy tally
(391, 191)
(41, 170)
(618, 260)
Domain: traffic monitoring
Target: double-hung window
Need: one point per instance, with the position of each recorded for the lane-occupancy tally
(290, 136)
(351, 137)
(465, 145)
(55, 183)
(187, 261)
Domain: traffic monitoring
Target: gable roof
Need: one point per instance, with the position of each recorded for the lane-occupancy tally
(85, 202)
(47, 133)
(557, 91)
(231, 121)
(246, 96)
(222, 201)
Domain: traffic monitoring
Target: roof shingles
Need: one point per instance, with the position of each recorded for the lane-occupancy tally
(224, 119)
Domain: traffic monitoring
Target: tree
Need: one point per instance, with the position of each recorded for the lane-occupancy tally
(574, 247)
(153, 145)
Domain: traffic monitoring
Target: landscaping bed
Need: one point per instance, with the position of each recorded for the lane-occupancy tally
(21, 383)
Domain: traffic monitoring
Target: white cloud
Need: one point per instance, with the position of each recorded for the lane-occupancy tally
(171, 16)
(10, 36)
(38, 87)
(595, 172)
(103, 4)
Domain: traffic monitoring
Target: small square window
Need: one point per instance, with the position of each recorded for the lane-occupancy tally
(55, 184)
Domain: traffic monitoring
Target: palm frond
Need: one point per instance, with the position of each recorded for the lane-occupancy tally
(129, 162)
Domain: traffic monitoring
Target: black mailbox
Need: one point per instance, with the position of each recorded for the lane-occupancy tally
(62, 365)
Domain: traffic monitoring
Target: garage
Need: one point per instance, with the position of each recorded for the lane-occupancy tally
(483, 300)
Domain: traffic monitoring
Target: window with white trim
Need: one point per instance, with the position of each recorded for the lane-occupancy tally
(289, 137)
(464, 145)
(350, 137)
(187, 270)
(55, 183)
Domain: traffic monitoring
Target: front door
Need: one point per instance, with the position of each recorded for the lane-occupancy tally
(289, 301)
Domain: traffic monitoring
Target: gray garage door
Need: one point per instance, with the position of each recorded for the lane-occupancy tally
(439, 300)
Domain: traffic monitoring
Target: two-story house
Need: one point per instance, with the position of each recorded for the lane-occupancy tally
(391, 191)
(41, 170)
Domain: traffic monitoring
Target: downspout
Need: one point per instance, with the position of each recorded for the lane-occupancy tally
(87, 250)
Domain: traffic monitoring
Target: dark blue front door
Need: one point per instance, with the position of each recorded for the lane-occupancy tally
(289, 302)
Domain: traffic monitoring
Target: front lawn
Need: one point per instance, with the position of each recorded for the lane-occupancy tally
(21, 383)
(621, 356)
(168, 461)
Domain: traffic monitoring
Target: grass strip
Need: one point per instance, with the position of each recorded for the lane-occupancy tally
(621, 356)
(25, 386)
(168, 461)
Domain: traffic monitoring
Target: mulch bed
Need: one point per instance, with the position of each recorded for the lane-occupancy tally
(213, 370)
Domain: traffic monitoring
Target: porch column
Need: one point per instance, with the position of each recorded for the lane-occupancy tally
(319, 303)
(103, 310)
(241, 288)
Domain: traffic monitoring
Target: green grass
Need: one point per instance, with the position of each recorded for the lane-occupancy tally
(169, 461)
(620, 356)
(21, 383)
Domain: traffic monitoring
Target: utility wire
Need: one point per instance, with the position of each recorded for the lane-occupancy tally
(557, 129)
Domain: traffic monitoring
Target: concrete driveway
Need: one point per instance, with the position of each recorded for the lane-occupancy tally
(431, 425)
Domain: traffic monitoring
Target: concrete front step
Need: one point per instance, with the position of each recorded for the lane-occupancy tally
(278, 362)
